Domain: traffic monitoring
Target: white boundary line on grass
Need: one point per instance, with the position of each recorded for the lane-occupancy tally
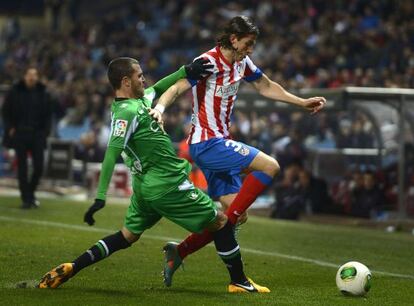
(165, 238)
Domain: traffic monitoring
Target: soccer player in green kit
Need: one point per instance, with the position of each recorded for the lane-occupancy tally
(160, 179)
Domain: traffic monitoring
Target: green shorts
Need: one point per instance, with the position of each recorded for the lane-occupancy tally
(192, 209)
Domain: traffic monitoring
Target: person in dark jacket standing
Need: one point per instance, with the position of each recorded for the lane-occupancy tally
(27, 113)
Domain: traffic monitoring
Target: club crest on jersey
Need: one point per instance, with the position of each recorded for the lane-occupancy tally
(227, 91)
(244, 151)
(193, 195)
(120, 128)
(239, 68)
(237, 147)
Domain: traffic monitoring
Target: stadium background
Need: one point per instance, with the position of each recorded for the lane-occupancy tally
(302, 45)
(306, 46)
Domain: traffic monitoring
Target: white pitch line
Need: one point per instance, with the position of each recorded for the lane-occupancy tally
(165, 238)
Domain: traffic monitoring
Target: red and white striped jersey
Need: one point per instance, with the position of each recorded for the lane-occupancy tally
(214, 96)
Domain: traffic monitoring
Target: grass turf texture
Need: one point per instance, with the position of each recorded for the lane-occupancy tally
(34, 241)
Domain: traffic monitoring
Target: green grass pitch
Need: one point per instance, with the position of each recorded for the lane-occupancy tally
(297, 261)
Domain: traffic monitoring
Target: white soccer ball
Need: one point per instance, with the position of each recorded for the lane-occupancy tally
(353, 278)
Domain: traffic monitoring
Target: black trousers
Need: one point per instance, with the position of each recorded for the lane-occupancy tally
(25, 144)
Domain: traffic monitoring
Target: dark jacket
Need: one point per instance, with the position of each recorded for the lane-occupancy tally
(316, 194)
(367, 201)
(28, 111)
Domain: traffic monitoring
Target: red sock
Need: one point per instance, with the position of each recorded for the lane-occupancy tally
(193, 243)
(254, 184)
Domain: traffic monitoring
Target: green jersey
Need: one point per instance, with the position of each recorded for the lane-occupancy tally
(147, 149)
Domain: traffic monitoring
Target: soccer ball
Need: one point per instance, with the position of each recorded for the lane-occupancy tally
(353, 278)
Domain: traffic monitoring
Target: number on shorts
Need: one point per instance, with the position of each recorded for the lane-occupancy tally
(234, 144)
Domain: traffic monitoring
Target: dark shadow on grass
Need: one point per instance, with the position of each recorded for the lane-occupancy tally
(176, 291)
(155, 291)
(102, 291)
(195, 291)
(353, 297)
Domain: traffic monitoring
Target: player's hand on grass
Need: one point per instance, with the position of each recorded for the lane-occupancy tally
(198, 69)
(314, 104)
(97, 205)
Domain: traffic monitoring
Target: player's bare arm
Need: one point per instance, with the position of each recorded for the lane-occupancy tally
(273, 90)
(168, 98)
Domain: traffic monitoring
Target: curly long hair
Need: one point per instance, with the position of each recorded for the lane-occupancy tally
(241, 26)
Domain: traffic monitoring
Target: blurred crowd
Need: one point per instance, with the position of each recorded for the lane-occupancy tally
(312, 43)
(302, 44)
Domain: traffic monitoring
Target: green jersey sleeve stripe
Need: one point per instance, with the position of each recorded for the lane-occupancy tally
(112, 129)
(132, 128)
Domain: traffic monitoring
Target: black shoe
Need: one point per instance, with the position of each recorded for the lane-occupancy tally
(35, 203)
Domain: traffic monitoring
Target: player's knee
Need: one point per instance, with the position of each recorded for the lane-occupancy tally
(220, 221)
(129, 236)
(226, 201)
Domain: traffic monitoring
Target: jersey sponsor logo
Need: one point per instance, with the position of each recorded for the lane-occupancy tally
(227, 91)
(120, 128)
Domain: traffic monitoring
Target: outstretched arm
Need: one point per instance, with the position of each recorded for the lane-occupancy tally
(195, 70)
(273, 90)
(108, 165)
(162, 85)
(168, 98)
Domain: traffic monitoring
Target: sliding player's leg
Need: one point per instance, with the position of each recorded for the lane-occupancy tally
(100, 250)
(138, 218)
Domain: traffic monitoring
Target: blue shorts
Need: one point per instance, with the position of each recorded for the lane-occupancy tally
(222, 161)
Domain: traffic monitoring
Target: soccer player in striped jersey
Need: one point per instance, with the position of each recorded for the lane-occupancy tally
(159, 179)
(221, 158)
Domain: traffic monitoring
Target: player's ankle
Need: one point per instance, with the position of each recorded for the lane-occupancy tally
(242, 279)
(182, 250)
